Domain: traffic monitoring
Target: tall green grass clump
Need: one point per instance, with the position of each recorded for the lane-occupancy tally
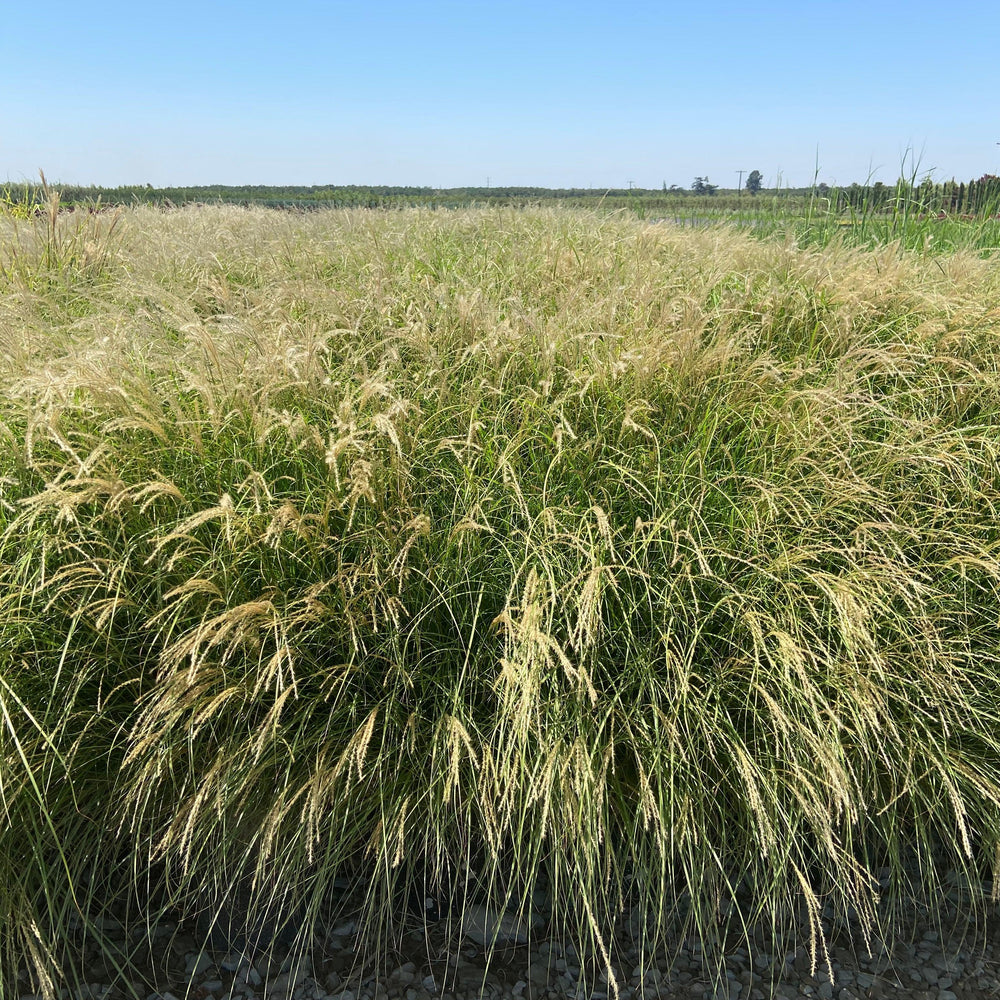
(651, 570)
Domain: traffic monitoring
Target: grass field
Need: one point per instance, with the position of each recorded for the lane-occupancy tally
(484, 550)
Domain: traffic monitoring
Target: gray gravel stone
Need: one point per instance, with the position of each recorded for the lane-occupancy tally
(197, 963)
(250, 976)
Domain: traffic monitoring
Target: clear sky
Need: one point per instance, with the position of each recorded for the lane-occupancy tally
(447, 94)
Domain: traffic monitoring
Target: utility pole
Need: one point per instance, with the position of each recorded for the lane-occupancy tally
(739, 188)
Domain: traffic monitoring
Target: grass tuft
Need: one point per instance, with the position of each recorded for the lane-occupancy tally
(650, 571)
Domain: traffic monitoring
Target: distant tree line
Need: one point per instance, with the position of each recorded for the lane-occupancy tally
(972, 197)
(328, 195)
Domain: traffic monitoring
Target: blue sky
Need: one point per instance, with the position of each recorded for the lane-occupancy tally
(449, 94)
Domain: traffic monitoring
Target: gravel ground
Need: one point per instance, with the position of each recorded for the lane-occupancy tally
(927, 964)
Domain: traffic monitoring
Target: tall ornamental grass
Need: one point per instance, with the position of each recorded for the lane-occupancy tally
(491, 556)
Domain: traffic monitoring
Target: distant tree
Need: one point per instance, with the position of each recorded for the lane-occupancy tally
(755, 181)
(700, 185)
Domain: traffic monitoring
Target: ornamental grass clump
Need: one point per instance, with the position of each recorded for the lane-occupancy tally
(492, 557)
